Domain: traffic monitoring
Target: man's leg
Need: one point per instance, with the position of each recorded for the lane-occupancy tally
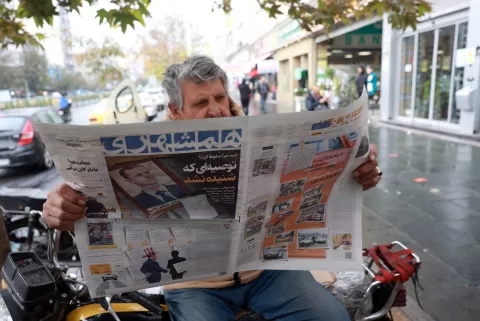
(204, 304)
(292, 296)
(263, 102)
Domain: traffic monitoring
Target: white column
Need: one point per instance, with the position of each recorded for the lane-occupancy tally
(469, 119)
(388, 84)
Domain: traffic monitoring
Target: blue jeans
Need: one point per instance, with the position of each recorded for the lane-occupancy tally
(263, 103)
(276, 295)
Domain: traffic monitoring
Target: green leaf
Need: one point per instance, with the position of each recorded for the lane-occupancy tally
(138, 15)
(102, 14)
(40, 36)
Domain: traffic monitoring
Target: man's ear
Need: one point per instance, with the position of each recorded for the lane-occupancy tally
(175, 115)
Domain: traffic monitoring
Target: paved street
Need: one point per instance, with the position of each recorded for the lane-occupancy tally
(438, 219)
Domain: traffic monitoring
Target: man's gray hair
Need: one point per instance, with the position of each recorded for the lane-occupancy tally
(196, 68)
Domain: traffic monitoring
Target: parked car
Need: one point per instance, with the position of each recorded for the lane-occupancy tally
(20, 144)
(149, 104)
(159, 96)
(121, 107)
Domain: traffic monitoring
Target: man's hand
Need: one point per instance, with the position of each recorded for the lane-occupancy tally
(368, 175)
(63, 207)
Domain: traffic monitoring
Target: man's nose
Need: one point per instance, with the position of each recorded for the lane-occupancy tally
(214, 109)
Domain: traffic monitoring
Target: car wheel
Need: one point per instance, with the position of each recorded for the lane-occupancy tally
(46, 161)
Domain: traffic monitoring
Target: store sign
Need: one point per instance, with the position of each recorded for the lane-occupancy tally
(369, 36)
(289, 31)
(268, 66)
(357, 41)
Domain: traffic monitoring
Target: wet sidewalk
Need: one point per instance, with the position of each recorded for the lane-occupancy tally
(439, 218)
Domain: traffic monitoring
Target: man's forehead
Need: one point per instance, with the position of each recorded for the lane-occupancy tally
(196, 90)
(137, 169)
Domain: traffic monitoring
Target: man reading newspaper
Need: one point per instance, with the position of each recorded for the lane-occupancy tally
(197, 89)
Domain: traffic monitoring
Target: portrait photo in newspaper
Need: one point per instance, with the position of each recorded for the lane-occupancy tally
(199, 185)
(100, 235)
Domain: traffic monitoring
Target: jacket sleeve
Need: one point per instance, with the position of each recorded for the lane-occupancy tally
(310, 103)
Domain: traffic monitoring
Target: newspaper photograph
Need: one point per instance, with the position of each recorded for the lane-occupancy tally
(187, 200)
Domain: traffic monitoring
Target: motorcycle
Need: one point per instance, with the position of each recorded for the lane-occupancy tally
(66, 113)
(26, 230)
(45, 292)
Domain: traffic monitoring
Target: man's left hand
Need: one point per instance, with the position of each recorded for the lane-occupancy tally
(368, 174)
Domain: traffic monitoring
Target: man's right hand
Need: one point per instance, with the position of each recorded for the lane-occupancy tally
(63, 207)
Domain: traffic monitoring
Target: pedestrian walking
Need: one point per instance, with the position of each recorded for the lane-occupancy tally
(361, 80)
(245, 93)
(371, 82)
(263, 90)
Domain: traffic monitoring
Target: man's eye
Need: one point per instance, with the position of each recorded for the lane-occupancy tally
(201, 103)
(220, 97)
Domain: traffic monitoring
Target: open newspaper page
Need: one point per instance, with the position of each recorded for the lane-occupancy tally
(303, 208)
(162, 199)
(180, 201)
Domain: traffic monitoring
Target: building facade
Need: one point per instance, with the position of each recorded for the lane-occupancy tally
(423, 69)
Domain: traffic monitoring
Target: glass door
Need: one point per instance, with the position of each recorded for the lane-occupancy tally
(427, 91)
(424, 73)
(443, 74)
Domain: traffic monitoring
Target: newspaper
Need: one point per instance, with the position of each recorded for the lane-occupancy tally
(187, 200)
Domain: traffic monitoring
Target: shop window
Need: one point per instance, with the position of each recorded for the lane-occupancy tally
(443, 75)
(408, 50)
(458, 78)
(424, 73)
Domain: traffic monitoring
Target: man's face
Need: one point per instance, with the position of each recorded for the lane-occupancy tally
(262, 80)
(369, 70)
(316, 93)
(153, 257)
(142, 177)
(205, 100)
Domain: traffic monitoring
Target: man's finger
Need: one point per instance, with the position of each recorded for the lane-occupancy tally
(373, 181)
(64, 215)
(64, 204)
(367, 176)
(67, 192)
(56, 223)
(365, 168)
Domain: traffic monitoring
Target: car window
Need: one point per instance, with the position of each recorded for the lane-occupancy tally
(124, 100)
(56, 119)
(11, 123)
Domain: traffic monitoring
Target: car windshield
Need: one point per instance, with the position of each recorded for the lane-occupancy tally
(11, 123)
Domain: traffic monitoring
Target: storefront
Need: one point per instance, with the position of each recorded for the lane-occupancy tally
(296, 58)
(423, 70)
(338, 57)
